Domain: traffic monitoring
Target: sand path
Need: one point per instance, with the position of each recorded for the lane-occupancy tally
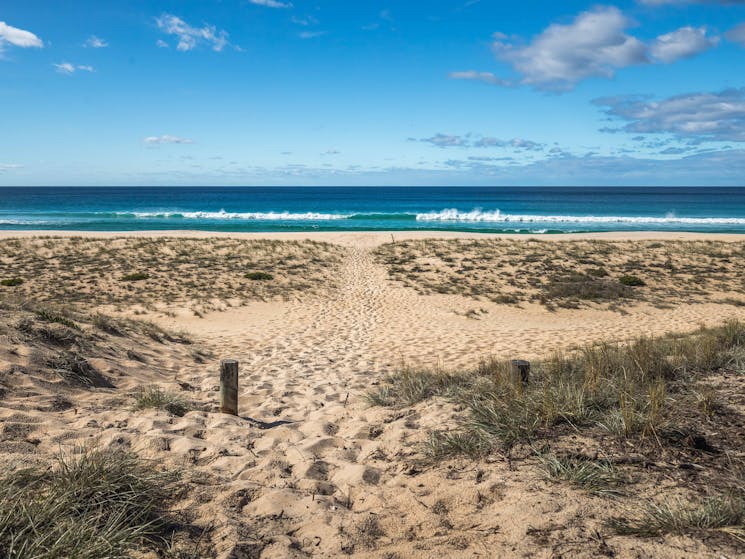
(321, 460)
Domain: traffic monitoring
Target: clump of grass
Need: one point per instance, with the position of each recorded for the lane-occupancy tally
(586, 288)
(100, 503)
(624, 389)
(75, 369)
(679, 517)
(631, 281)
(50, 315)
(11, 282)
(107, 324)
(409, 386)
(259, 276)
(598, 477)
(135, 276)
(153, 397)
(471, 443)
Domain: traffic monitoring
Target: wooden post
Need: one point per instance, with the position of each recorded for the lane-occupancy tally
(229, 386)
(520, 371)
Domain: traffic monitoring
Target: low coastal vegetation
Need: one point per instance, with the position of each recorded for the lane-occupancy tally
(159, 274)
(153, 397)
(631, 404)
(90, 504)
(569, 274)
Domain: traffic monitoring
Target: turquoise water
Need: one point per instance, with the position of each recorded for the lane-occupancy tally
(495, 209)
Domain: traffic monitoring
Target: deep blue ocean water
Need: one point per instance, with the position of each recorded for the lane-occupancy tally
(486, 209)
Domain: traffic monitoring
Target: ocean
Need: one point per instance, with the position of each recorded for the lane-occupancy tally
(480, 209)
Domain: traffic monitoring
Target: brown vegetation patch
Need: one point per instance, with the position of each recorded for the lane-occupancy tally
(568, 273)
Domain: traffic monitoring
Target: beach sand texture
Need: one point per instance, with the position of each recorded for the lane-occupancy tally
(309, 468)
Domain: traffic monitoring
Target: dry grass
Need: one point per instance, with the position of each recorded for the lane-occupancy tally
(153, 397)
(159, 273)
(568, 273)
(671, 403)
(88, 506)
(643, 389)
(680, 517)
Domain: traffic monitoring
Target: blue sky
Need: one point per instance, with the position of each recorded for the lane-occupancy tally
(468, 92)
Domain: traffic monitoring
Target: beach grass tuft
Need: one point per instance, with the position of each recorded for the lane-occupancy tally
(153, 397)
(643, 388)
(98, 503)
(259, 276)
(676, 516)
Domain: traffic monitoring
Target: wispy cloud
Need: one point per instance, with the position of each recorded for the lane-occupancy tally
(683, 43)
(18, 37)
(473, 75)
(477, 141)
(697, 117)
(310, 34)
(95, 42)
(595, 44)
(271, 3)
(737, 34)
(5, 167)
(69, 69)
(166, 139)
(189, 37)
(304, 21)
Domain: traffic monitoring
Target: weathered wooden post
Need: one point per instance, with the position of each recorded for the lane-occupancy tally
(520, 371)
(229, 386)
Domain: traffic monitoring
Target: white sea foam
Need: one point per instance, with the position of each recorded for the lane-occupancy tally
(498, 217)
(258, 216)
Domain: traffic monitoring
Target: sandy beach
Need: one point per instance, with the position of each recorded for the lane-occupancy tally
(310, 468)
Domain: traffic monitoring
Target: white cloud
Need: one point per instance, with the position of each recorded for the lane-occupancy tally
(737, 34)
(683, 43)
(473, 75)
(160, 43)
(304, 21)
(271, 3)
(166, 139)
(95, 42)
(188, 36)
(18, 37)
(446, 140)
(594, 44)
(310, 34)
(696, 117)
(67, 68)
(5, 167)
(478, 141)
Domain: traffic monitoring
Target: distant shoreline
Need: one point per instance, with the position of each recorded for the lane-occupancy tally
(375, 238)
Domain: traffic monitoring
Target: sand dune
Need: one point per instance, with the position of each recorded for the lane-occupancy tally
(309, 468)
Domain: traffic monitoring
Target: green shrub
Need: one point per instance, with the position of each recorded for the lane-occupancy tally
(136, 276)
(259, 276)
(11, 282)
(631, 281)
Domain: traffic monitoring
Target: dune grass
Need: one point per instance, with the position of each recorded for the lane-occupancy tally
(157, 274)
(153, 397)
(639, 389)
(721, 512)
(92, 505)
(568, 274)
(596, 476)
